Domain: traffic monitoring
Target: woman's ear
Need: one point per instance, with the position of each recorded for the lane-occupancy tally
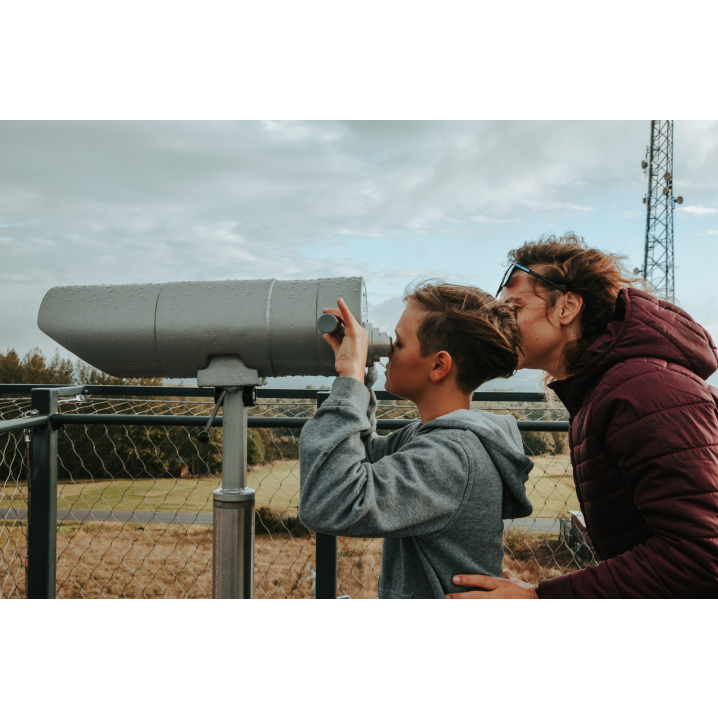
(441, 366)
(570, 307)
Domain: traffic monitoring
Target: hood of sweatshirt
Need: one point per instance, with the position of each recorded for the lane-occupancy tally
(500, 436)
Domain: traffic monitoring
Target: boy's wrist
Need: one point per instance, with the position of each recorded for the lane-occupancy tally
(354, 374)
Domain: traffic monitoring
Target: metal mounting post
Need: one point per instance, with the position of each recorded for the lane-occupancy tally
(233, 504)
(233, 507)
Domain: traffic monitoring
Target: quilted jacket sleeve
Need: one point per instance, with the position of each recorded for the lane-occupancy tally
(661, 431)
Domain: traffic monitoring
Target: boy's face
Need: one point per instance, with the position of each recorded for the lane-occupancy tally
(408, 373)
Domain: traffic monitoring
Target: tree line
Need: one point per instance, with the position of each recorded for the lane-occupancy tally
(102, 452)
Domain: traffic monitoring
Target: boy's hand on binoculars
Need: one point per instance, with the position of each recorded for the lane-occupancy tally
(350, 353)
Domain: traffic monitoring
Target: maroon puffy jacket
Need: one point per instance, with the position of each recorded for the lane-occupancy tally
(644, 449)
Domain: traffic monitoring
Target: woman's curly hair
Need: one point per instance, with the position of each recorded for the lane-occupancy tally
(596, 276)
(480, 333)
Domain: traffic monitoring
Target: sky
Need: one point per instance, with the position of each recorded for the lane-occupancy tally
(122, 202)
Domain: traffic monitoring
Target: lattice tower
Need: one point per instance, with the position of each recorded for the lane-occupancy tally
(658, 265)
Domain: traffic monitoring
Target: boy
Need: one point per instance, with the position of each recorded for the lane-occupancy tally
(438, 489)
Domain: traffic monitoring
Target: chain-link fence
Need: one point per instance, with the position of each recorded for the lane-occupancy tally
(14, 473)
(134, 503)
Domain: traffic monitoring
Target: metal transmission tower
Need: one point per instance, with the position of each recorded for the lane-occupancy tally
(658, 267)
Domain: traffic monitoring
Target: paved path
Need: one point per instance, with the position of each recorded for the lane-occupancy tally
(171, 517)
(539, 525)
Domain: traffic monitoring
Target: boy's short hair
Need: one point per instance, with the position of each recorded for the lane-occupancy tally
(480, 333)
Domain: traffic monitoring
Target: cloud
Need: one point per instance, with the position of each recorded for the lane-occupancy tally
(552, 206)
(386, 314)
(482, 219)
(369, 234)
(697, 210)
(395, 273)
(299, 181)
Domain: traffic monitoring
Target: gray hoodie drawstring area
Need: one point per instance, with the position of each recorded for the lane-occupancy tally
(436, 493)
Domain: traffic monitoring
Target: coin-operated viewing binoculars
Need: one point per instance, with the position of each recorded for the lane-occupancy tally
(232, 335)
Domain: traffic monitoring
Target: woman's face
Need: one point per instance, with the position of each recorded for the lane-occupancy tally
(543, 335)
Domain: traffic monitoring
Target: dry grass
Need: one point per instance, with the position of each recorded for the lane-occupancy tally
(284, 567)
(533, 557)
(358, 567)
(13, 548)
(113, 560)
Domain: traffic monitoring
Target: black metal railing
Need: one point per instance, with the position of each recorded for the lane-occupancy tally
(44, 420)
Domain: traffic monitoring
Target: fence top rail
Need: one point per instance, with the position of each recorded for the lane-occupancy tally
(192, 391)
(24, 423)
(277, 422)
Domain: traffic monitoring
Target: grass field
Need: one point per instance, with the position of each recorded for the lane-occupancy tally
(276, 485)
(113, 560)
(550, 489)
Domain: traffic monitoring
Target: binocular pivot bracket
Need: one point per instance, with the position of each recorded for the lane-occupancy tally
(228, 374)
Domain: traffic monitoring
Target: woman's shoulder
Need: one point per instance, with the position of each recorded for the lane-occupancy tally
(643, 385)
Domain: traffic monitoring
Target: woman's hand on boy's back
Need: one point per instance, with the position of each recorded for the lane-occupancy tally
(507, 587)
(350, 352)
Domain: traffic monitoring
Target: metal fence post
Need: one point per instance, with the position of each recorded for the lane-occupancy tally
(42, 504)
(326, 579)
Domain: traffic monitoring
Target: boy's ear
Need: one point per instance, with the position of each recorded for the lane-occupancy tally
(441, 366)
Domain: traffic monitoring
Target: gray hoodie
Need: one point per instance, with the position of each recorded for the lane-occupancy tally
(436, 493)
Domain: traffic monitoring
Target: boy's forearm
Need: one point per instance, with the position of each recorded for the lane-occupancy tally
(331, 452)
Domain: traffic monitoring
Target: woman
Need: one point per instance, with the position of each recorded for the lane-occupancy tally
(631, 371)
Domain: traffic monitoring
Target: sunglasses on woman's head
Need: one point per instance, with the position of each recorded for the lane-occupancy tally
(514, 266)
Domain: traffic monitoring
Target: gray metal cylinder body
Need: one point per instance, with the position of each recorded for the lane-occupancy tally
(172, 330)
